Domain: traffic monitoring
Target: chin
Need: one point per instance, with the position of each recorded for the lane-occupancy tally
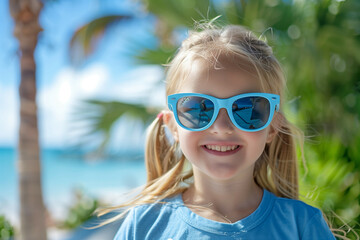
(223, 174)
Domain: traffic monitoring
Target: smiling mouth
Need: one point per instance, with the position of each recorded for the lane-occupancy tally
(218, 148)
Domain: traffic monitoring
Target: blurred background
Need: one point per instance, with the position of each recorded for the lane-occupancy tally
(100, 82)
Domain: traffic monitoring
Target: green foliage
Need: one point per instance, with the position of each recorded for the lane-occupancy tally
(180, 13)
(332, 181)
(6, 230)
(158, 56)
(81, 211)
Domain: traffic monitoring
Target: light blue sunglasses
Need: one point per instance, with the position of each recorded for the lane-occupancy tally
(249, 112)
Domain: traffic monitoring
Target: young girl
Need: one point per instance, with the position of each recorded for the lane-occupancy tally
(221, 160)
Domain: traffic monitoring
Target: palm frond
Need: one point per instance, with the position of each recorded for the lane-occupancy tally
(101, 116)
(159, 56)
(85, 39)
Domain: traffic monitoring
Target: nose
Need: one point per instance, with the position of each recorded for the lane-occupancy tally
(222, 123)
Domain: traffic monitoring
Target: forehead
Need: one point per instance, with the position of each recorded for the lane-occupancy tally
(222, 79)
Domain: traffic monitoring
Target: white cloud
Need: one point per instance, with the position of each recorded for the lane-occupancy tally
(91, 80)
(56, 100)
(142, 84)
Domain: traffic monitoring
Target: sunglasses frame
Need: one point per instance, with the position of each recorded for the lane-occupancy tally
(226, 103)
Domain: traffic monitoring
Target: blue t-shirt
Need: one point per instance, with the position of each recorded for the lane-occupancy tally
(275, 218)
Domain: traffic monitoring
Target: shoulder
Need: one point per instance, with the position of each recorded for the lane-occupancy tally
(160, 209)
(309, 220)
(142, 219)
(293, 213)
(295, 207)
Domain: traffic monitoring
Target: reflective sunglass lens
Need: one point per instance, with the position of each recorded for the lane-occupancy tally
(195, 112)
(251, 112)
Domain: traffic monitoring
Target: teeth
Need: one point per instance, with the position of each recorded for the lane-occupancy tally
(221, 148)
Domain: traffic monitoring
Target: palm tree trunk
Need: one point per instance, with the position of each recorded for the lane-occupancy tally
(32, 210)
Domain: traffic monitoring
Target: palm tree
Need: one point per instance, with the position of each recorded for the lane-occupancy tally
(32, 211)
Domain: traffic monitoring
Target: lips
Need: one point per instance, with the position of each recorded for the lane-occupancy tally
(221, 150)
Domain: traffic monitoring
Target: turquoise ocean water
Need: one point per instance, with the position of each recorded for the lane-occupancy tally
(63, 172)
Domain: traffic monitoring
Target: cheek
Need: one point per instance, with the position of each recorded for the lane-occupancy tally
(188, 142)
(257, 140)
(262, 135)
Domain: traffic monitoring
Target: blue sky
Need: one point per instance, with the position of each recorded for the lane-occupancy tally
(110, 73)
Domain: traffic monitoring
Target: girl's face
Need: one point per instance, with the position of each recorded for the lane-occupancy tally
(202, 148)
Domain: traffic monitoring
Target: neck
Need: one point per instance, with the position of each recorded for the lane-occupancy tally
(224, 201)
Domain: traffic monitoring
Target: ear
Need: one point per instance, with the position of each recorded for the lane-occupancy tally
(275, 125)
(170, 122)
